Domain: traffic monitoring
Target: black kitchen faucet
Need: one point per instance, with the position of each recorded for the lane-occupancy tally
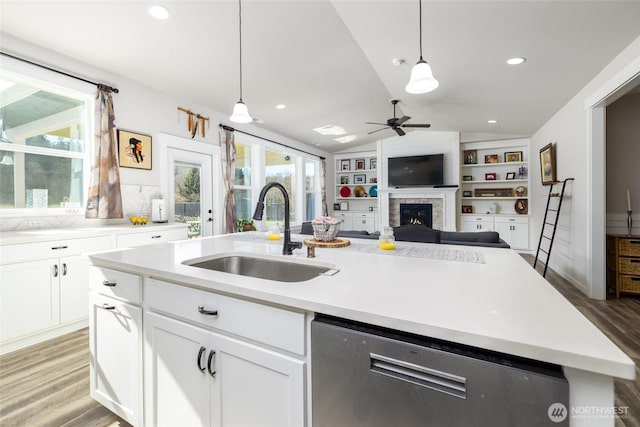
(289, 246)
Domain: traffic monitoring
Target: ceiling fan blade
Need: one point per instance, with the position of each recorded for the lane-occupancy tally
(417, 125)
(375, 123)
(377, 130)
(402, 119)
(400, 131)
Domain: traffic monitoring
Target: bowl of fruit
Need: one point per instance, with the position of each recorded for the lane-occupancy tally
(138, 219)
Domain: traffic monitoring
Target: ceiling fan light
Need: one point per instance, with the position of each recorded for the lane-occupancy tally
(422, 80)
(240, 113)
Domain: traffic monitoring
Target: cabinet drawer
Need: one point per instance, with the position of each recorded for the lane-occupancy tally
(140, 238)
(54, 248)
(477, 219)
(270, 325)
(630, 284)
(119, 284)
(629, 266)
(629, 247)
(363, 215)
(342, 215)
(511, 220)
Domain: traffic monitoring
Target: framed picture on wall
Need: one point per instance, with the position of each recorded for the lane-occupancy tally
(359, 164)
(345, 165)
(344, 179)
(513, 156)
(373, 164)
(547, 165)
(134, 150)
(359, 179)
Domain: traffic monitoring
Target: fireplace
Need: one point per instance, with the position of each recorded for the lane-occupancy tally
(416, 213)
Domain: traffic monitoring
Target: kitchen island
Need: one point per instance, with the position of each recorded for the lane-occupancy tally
(486, 298)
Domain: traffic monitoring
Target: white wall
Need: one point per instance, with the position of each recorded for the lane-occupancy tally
(570, 130)
(141, 109)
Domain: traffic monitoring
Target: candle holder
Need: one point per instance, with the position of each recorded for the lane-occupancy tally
(629, 222)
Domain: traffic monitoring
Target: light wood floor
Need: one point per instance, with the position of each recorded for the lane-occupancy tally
(48, 384)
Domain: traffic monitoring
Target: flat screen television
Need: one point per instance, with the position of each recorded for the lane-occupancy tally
(415, 171)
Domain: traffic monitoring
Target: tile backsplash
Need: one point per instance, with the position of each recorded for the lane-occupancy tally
(132, 201)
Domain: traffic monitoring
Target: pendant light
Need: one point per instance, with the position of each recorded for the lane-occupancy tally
(240, 111)
(422, 80)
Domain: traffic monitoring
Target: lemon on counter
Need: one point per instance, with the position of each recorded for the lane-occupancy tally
(387, 246)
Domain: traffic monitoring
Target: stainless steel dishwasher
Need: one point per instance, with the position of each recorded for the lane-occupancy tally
(375, 377)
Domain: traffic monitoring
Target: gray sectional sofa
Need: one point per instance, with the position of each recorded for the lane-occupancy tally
(420, 233)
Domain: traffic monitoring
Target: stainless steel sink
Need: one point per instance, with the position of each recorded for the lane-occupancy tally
(263, 268)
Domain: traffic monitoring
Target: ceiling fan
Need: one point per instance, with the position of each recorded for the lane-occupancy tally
(397, 123)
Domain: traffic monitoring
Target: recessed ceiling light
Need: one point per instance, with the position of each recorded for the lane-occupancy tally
(516, 61)
(280, 107)
(330, 130)
(492, 121)
(345, 139)
(158, 12)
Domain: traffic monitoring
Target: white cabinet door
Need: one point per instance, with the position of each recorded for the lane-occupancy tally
(29, 298)
(514, 231)
(476, 223)
(116, 357)
(195, 377)
(257, 387)
(177, 378)
(74, 288)
(364, 221)
(346, 220)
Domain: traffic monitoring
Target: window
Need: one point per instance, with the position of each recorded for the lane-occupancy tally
(242, 187)
(43, 150)
(280, 167)
(259, 163)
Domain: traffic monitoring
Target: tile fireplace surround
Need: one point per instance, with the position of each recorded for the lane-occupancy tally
(443, 201)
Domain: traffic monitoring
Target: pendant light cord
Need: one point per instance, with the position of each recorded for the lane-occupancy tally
(420, 12)
(240, 32)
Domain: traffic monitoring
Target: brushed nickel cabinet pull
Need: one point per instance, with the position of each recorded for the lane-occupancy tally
(108, 283)
(107, 306)
(56, 248)
(55, 270)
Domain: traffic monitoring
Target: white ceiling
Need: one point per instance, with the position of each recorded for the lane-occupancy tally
(330, 61)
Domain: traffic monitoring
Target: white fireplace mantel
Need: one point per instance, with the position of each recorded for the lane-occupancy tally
(447, 194)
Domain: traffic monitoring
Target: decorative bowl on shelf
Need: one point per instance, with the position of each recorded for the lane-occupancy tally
(345, 191)
(359, 191)
(138, 219)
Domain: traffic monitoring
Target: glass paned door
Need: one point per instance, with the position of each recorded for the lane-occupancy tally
(191, 186)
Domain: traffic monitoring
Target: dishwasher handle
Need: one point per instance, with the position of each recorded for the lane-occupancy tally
(433, 379)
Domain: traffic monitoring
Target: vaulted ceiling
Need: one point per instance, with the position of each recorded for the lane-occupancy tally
(330, 62)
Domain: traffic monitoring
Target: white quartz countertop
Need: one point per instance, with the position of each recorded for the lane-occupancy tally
(485, 297)
(49, 234)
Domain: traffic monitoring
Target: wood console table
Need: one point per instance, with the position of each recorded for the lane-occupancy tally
(623, 263)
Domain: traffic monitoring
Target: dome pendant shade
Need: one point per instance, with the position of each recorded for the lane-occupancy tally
(422, 80)
(240, 113)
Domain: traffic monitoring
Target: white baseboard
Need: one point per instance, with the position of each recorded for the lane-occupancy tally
(38, 337)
